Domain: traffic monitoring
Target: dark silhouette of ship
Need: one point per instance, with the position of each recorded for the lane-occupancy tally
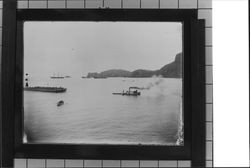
(99, 77)
(42, 88)
(132, 91)
(57, 77)
(46, 89)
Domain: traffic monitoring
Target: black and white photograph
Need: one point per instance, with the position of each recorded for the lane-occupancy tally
(89, 82)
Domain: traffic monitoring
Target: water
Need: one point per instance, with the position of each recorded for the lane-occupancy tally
(91, 114)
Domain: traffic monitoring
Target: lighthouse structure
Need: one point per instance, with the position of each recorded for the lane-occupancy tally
(26, 80)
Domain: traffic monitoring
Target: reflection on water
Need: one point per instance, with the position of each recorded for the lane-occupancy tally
(92, 114)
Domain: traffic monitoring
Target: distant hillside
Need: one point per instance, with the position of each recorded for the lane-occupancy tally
(115, 73)
(110, 73)
(141, 73)
(174, 69)
(171, 70)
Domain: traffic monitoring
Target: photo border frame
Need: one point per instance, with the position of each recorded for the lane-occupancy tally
(12, 87)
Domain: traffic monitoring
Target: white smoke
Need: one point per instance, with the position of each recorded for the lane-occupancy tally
(157, 80)
(156, 86)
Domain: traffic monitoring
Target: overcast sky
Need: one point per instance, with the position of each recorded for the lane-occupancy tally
(76, 48)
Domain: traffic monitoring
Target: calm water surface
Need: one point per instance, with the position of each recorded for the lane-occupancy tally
(92, 114)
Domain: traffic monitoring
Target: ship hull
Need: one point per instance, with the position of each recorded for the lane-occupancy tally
(46, 89)
(57, 77)
(128, 94)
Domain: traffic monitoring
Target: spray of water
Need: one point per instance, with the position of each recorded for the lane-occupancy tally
(180, 132)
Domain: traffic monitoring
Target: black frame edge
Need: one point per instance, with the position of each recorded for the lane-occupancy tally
(198, 112)
(7, 82)
(102, 14)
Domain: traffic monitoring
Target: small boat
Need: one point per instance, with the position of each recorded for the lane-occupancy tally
(130, 92)
(61, 102)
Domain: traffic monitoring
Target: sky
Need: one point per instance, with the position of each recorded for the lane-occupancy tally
(76, 48)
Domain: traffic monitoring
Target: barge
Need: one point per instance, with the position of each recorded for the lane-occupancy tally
(46, 89)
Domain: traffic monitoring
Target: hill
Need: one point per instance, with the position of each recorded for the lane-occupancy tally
(171, 70)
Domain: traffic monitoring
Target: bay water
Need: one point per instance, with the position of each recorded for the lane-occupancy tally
(91, 114)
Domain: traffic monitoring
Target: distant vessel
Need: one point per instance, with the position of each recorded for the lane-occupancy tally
(57, 77)
(130, 92)
(99, 77)
(42, 88)
(67, 76)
